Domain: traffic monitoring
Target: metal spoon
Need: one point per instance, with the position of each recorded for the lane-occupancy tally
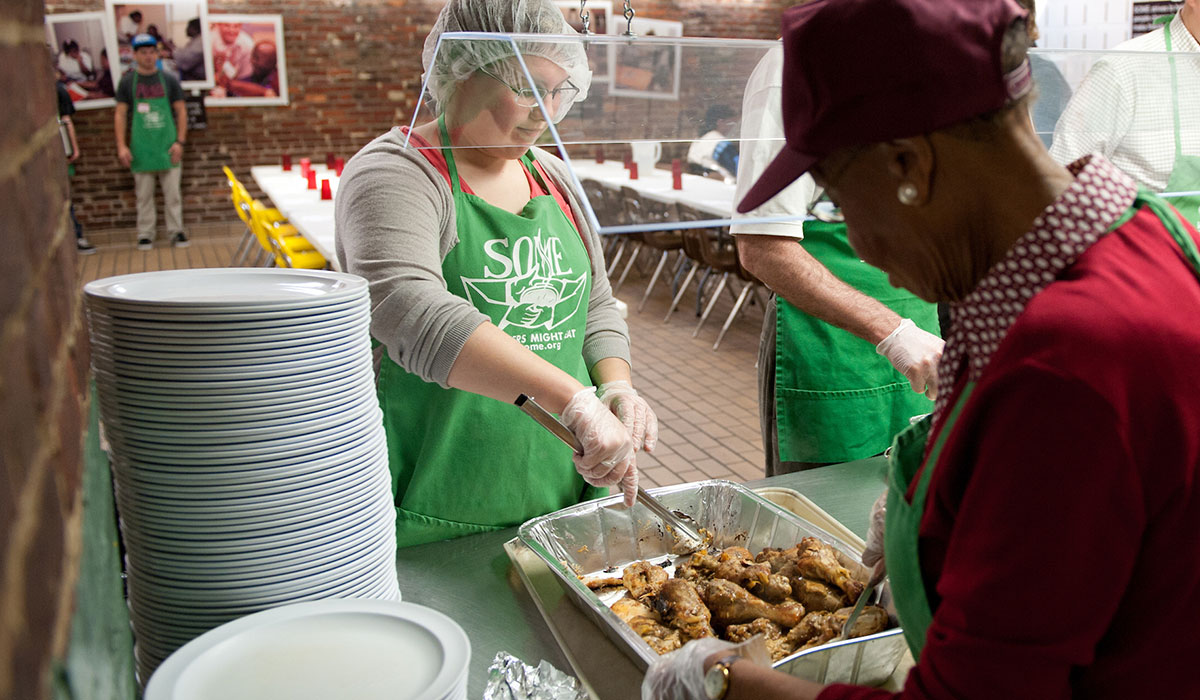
(688, 538)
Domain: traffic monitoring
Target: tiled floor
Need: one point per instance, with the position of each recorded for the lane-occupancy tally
(705, 400)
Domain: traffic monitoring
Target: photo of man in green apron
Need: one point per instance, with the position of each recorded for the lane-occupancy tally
(150, 106)
(845, 358)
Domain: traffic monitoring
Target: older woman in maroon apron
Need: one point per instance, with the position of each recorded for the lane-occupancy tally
(486, 283)
(1042, 525)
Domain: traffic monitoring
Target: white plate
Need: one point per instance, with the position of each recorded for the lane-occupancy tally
(296, 314)
(245, 398)
(114, 326)
(224, 334)
(320, 650)
(200, 415)
(234, 347)
(184, 356)
(225, 287)
(146, 431)
(223, 388)
(241, 370)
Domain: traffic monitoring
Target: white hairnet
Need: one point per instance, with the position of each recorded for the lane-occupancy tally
(459, 59)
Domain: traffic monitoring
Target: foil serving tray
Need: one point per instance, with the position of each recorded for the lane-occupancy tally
(602, 536)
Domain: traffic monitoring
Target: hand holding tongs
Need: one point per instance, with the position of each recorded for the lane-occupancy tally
(687, 536)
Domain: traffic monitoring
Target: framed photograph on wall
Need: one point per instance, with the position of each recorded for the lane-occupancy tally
(647, 69)
(249, 68)
(77, 43)
(600, 21)
(181, 27)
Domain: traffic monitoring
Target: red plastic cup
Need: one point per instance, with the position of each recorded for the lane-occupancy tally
(305, 166)
(633, 171)
(287, 161)
(339, 165)
(312, 179)
(676, 174)
(628, 160)
(326, 190)
(599, 154)
(330, 158)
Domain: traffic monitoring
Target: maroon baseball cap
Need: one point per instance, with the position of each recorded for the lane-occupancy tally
(863, 71)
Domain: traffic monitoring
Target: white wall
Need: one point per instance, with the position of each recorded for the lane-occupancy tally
(1083, 24)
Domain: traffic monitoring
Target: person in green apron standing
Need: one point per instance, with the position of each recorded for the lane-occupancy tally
(151, 108)
(1141, 110)
(846, 360)
(487, 282)
(1041, 526)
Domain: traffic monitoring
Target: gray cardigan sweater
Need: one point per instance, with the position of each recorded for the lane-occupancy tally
(395, 224)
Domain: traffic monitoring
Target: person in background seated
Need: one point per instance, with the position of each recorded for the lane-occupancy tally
(263, 79)
(719, 124)
(1144, 114)
(189, 58)
(75, 65)
(1065, 443)
(487, 282)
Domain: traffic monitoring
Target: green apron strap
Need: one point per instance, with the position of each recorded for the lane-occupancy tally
(1185, 171)
(1169, 219)
(1174, 89)
(901, 533)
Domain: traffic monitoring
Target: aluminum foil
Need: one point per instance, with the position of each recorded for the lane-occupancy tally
(598, 538)
(509, 678)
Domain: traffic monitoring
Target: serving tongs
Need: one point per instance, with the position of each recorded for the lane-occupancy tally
(877, 577)
(686, 536)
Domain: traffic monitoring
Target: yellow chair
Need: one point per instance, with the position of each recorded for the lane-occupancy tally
(246, 245)
(281, 239)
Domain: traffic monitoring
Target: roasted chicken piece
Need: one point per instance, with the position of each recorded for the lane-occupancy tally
(872, 619)
(816, 596)
(698, 567)
(815, 629)
(731, 604)
(736, 564)
(608, 582)
(680, 606)
(642, 578)
(778, 558)
(818, 560)
(647, 624)
(777, 644)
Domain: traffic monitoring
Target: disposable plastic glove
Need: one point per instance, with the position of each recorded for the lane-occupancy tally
(679, 675)
(634, 412)
(873, 554)
(915, 353)
(607, 457)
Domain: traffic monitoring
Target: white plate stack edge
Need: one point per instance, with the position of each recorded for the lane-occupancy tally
(246, 443)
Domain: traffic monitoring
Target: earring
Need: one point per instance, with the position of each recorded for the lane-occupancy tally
(907, 194)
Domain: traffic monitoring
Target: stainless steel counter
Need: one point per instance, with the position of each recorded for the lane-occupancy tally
(473, 580)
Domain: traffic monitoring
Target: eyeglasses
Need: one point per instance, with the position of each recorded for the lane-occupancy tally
(528, 97)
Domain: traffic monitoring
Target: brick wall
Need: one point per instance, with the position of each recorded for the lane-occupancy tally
(44, 367)
(354, 70)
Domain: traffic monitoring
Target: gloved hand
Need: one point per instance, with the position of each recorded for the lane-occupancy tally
(679, 675)
(873, 554)
(634, 412)
(607, 446)
(915, 353)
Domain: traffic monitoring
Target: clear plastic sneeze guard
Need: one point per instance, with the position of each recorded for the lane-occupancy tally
(625, 124)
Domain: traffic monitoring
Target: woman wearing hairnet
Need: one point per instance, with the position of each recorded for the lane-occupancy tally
(1041, 527)
(487, 282)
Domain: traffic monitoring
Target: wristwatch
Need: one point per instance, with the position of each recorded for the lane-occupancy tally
(716, 679)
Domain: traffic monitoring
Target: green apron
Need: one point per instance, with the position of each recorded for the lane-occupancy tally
(836, 400)
(153, 131)
(901, 533)
(1185, 172)
(462, 463)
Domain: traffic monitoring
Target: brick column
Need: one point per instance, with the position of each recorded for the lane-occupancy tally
(43, 366)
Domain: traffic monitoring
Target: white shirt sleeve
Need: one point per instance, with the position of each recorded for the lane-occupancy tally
(762, 139)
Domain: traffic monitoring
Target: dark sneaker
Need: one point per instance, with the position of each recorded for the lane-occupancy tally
(180, 240)
(84, 248)
(145, 243)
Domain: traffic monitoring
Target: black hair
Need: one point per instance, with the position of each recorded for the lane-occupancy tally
(715, 114)
(193, 27)
(136, 14)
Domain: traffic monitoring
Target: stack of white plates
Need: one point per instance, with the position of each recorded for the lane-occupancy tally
(361, 649)
(246, 442)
